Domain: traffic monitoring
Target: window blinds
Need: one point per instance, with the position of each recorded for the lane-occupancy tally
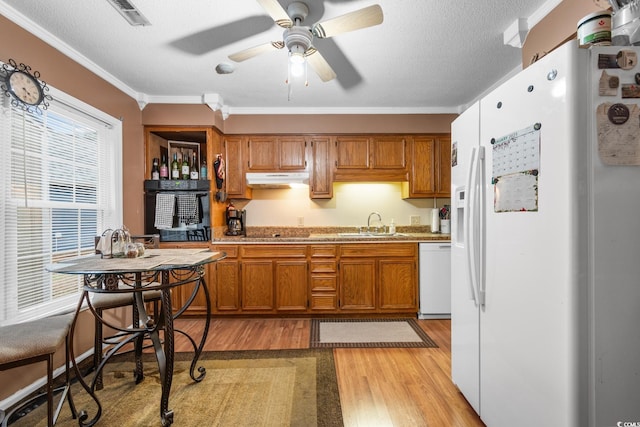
(60, 188)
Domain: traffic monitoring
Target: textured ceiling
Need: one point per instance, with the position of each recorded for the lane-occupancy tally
(427, 56)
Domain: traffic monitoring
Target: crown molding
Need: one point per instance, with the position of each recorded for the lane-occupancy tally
(20, 20)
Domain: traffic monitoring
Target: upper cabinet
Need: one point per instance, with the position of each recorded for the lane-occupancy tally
(235, 183)
(370, 158)
(421, 162)
(430, 171)
(276, 153)
(321, 181)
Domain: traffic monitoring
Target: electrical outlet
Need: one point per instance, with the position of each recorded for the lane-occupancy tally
(415, 219)
(300, 221)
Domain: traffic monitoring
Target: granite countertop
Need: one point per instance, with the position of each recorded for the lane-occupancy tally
(327, 234)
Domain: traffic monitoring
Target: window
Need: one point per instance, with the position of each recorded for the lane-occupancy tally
(60, 187)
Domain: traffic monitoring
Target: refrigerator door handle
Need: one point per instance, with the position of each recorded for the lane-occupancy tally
(481, 212)
(469, 230)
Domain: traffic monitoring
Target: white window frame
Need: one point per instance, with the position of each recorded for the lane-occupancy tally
(111, 135)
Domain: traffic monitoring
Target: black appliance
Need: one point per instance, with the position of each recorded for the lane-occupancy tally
(198, 230)
(236, 221)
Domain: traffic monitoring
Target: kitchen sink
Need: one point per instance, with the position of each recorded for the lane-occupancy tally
(368, 235)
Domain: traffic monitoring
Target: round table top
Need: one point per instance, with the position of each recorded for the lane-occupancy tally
(153, 260)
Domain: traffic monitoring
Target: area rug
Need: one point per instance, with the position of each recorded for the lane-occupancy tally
(368, 333)
(241, 388)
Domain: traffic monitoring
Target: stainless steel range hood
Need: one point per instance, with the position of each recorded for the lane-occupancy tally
(277, 179)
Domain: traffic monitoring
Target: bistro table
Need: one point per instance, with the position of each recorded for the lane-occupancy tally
(158, 269)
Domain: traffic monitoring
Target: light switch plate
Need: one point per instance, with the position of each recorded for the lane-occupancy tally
(415, 219)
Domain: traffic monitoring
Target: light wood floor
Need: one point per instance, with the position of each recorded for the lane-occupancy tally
(378, 386)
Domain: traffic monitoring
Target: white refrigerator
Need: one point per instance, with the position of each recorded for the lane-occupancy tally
(545, 263)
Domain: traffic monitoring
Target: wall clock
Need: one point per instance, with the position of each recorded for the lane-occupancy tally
(25, 88)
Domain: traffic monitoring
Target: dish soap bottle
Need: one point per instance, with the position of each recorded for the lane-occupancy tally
(392, 227)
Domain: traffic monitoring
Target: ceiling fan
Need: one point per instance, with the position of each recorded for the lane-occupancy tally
(298, 39)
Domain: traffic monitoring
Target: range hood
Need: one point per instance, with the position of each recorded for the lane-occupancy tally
(277, 179)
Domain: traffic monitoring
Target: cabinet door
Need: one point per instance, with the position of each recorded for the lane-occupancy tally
(357, 284)
(227, 279)
(262, 153)
(398, 289)
(291, 285)
(423, 168)
(321, 182)
(443, 168)
(257, 285)
(388, 152)
(235, 182)
(352, 152)
(293, 153)
(430, 174)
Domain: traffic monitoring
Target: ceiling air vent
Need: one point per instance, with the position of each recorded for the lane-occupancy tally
(129, 12)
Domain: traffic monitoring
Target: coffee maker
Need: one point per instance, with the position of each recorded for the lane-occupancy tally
(236, 221)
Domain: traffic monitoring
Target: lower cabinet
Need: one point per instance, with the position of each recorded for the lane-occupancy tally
(315, 279)
(358, 284)
(291, 285)
(180, 295)
(380, 278)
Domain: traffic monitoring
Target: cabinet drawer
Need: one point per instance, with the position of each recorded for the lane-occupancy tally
(367, 250)
(231, 251)
(281, 251)
(323, 266)
(324, 301)
(323, 251)
(324, 283)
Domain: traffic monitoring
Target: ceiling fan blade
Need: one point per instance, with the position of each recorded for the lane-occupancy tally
(279, 15)
(363, 18)
(243, 55)
(320, 66)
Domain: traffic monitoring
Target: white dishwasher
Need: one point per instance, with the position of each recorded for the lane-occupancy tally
(435, 280)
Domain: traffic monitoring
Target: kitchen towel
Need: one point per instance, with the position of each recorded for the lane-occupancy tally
(187, 208)
(165, 208)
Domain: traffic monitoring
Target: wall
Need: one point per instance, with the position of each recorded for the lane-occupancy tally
(63, 73)
(350, 206)
(556, 28)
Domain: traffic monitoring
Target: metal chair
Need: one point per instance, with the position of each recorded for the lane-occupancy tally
(36, 341)
(107, 301)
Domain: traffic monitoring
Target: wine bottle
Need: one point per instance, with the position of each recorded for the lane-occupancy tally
(175, 170)
(164, 170)
(193, 174)
(155, 172)
(203, 169)
(185, 166)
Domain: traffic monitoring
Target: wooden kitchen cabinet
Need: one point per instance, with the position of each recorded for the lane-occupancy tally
(340, 278)
(381, 278)
(397, 285)
(323, 282)
(274, 278)
(357, 284)
(352, 152)
(370, 158)
(276, 153)
(430, 174)
(257, 285)
(235, 182)
(291, 285)
(321, 181)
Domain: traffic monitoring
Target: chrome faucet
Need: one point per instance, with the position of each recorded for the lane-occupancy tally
(369, 219)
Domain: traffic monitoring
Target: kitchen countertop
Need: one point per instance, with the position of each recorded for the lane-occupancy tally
(326, 234)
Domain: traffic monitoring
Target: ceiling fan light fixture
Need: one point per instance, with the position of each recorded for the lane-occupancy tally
(296, 55)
